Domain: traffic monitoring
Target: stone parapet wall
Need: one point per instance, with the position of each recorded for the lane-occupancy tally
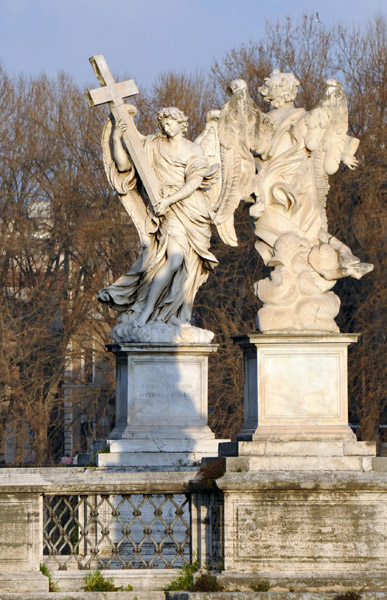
(77, 518)
(305, 525)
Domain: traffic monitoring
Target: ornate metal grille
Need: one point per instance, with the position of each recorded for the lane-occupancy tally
(128, 531)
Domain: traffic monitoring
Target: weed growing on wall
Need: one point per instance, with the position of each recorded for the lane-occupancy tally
(95, 582)
(52, 585)
(185, 580)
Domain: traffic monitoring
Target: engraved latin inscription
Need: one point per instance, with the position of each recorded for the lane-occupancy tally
(304, 531)
(170, 390)
(151, 390)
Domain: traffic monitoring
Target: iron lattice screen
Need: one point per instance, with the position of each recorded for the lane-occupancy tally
(128, 531)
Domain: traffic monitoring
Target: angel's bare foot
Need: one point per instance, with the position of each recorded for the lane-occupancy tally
(176, 321)
(140, 321)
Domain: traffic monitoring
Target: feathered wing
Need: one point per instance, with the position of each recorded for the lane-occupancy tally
(209, 141)
(327, 126)
(235, 123)
(125, 186)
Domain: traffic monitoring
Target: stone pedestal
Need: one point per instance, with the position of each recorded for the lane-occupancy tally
(161, 407)
(305, 503)
(295, 387)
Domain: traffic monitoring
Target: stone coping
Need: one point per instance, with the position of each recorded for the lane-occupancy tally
(148, 595)
(152, 347)
(77, 480)
(74, 480)
(294, 338)
(154, 595)
(313, 481)
(267, 596)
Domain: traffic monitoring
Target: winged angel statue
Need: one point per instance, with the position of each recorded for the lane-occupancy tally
(294, 153)
(155, 297)
(281, 160)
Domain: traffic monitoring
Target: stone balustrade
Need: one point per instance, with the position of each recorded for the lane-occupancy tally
(75, 519)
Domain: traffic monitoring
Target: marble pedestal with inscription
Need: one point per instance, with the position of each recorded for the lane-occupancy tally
(161, 407)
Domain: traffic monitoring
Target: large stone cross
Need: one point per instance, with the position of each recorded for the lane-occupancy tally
(114, 94)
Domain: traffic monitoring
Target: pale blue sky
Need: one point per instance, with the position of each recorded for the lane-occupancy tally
(141, 38)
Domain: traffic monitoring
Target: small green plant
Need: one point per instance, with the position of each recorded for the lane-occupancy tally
(261, 586)
(96, 582)
(206, 583)
(52, 585)
(105, 450)
(348, 596)
(185, 580)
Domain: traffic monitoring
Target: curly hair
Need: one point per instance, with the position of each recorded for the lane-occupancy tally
(173, 113)
(279, 88)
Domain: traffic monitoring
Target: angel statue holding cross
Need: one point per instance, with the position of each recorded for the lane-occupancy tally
(170, 187)
(175, 260)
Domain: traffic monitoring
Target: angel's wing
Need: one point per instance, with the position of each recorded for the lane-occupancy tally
(125, 186)
(238, 122)
(209, 141)
(327, 126)
(237, 118)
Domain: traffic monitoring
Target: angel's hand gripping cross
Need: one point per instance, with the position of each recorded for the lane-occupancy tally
(114, 94)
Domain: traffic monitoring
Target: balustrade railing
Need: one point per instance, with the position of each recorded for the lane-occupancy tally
(131, 530)
(128, 531)
(78, 519)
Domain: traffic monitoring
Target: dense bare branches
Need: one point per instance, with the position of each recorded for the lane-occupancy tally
(193, 94)
(60, 225)
(64, 234)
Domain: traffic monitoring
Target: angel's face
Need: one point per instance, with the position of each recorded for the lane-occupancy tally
(170, 126)
(279, 88)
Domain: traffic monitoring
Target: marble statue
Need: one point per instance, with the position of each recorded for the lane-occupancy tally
(170, 187)
(175, 189)
(288, 155)
(162, 284)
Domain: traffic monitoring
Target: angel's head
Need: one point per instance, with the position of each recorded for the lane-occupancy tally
(169, 118)
(279, 88)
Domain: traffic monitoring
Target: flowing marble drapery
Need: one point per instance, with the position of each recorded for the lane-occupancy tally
(187, 222)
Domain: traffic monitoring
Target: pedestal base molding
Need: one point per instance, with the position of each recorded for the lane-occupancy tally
(299, 455)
